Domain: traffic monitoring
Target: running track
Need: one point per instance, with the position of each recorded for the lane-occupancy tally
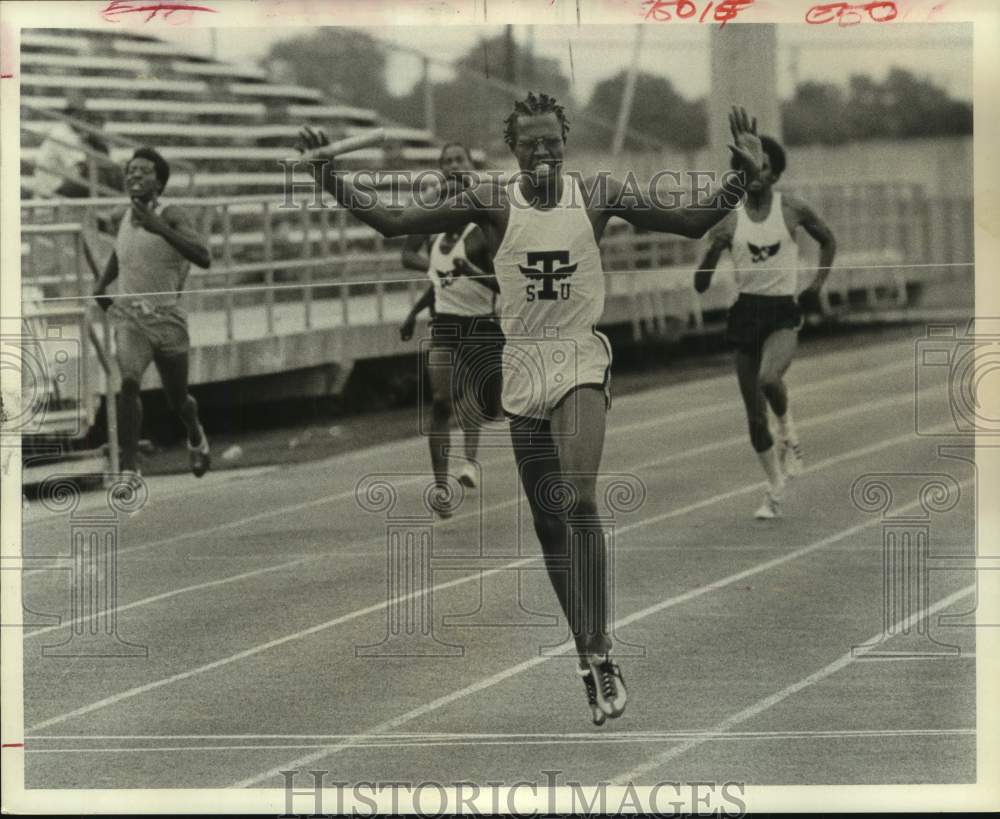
(252, 591)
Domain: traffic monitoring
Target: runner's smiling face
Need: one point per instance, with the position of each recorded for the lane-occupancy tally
(141, 181)
(539, 145)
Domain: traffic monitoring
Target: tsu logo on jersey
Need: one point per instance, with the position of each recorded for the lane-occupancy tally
(446, 277)
(548, 275)
(762, 254)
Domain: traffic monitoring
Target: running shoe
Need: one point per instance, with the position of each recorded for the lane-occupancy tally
(596, 714)
(770, 508)
(791, 458)
(201, 458)
(609, 685)
(467, 477)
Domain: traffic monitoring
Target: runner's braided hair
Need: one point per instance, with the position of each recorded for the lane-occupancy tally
(531, 106)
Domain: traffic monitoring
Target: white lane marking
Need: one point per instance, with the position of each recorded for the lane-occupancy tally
(210, 584)
(681, 415)
(770, 701)
(222, 478)
(142, 689)
(132, 692)
(804, 424)
(490, 681)
(431, 740)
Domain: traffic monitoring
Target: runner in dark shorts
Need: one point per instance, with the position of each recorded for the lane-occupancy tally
(464, 355)
(765, 320)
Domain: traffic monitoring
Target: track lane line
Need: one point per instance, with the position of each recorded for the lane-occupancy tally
(733, 440)
(681, 415)
(142, 689)
(770, 701)
(507, 673)
(392, 741)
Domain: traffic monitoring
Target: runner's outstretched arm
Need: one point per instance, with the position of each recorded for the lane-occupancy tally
(451, 214)
(694, 221)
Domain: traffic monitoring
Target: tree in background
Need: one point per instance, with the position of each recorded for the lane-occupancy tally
(472, 110)
(903, 106)
(658, 111)
(815, 114)
(346, 64)
(349, 66)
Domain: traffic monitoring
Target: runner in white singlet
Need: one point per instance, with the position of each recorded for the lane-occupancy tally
(463, 353)
(764, 321)
(543, 240)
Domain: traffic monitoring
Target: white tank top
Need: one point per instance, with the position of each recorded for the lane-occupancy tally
(455, 294)
(765, 256)
(148, 263)
(549, 269)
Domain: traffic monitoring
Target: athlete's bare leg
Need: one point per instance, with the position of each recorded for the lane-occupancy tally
(173, 371)
(469, 418)
(747, 370)
(774, 362)
(539, 469)
(135, 352)
(578, 427)
(439, 438)
(174, 376)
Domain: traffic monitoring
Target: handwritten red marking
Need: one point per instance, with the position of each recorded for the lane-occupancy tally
(116, 8)
(6, 76)
(728, 9)
(659, 10)
(12, 745)
(662, 11)
(845, 14)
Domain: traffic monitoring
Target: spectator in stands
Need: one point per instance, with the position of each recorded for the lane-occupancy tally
(63, 164)
(155, 247)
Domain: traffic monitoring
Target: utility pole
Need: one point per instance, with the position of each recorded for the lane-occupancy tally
(510, 66)
(429, 123)
(529, 62)
(628, 96)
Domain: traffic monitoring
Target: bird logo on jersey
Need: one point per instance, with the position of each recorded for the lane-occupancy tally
(548, 275)
(762, 254)
(446, 277)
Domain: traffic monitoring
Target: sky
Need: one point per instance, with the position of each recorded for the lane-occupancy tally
(941, 52)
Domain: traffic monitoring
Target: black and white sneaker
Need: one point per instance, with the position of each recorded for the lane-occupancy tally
(597, 716)
(609, 685)
(791, 458)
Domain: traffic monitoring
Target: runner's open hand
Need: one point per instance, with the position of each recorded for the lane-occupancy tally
(746, 145)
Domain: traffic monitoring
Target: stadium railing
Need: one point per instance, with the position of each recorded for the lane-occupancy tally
(265, 253)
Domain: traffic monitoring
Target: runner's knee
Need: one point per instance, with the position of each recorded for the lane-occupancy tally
(760, 433)
(441, 409)
(584, 506)
(769, 380)
(550, 529)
